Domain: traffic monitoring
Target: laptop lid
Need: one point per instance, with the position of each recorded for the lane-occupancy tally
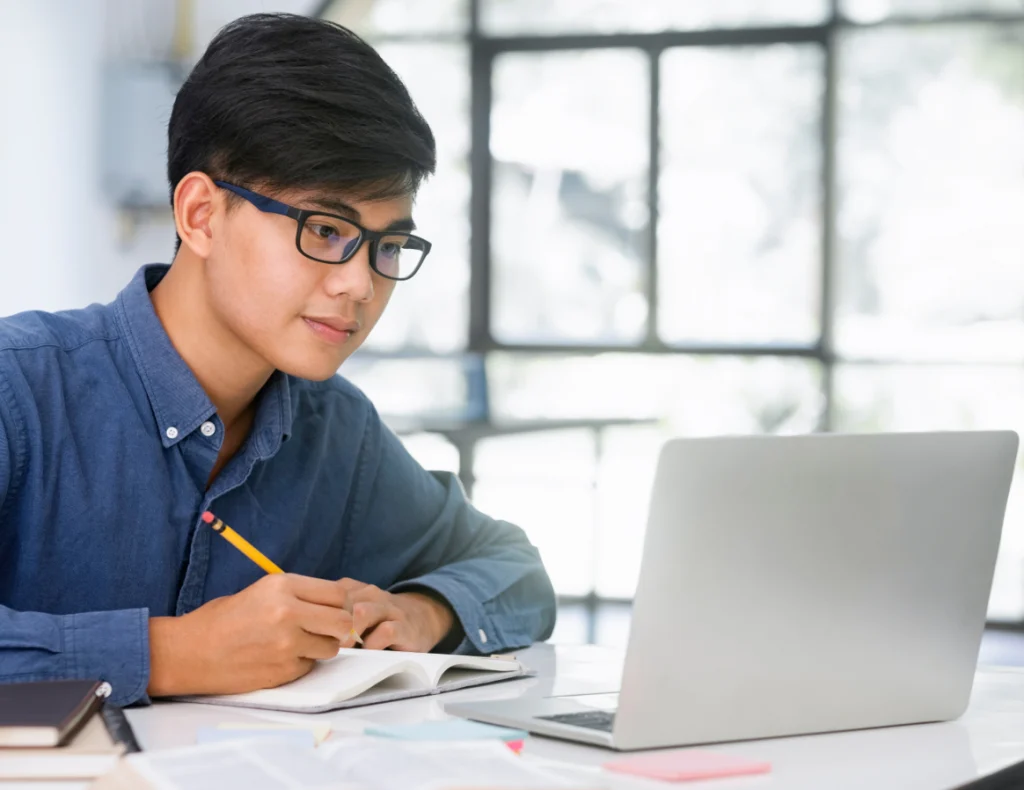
(815, 583)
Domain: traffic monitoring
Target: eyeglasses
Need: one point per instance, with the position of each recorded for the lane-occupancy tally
(329, 238)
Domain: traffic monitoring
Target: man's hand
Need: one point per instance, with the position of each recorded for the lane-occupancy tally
(270, 633)
(408, 621)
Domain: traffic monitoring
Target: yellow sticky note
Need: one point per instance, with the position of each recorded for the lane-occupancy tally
(320, 731)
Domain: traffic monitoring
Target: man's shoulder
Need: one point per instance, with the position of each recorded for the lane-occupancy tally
(37, 349)
(63, 331)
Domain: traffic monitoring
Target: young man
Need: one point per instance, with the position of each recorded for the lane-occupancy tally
(294, 157)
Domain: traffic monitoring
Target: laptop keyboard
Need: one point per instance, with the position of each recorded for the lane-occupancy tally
(591, 719)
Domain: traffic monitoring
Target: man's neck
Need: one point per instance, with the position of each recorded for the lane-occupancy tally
(231, 373)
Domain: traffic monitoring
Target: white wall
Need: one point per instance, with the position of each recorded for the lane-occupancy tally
(50, 219)
(62, 242)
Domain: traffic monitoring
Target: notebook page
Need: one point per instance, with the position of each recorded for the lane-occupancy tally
(343, 677)
(435, 664)
(270, 766)
(387, 765)
(351, 764)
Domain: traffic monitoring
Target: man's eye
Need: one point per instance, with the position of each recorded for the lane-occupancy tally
(325, 232)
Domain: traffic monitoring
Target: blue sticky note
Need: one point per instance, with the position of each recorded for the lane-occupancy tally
(216, 734)
(449, 730)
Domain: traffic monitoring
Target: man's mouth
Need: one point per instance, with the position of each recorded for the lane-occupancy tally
(333, 329)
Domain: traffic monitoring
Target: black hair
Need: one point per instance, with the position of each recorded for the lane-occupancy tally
(291, 102)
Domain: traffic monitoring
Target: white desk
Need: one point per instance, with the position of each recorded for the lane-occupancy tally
(987, 739)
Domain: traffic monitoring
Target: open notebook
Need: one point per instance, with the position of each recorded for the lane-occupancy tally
(363, 677)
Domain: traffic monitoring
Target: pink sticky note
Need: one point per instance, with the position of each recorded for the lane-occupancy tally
(687, 765)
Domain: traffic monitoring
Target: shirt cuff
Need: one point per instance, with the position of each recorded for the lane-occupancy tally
(110, 646)
(483, 634)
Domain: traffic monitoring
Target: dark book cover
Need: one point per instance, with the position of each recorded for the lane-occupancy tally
(46, 713)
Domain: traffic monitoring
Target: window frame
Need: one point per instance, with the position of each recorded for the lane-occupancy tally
(484, 49)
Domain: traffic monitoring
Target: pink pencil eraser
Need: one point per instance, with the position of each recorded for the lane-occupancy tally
(516, 746)
(208, 517)
(686, 766)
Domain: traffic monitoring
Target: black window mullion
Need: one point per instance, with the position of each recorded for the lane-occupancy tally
(653, 173)
(722, 37)
(828, 219)
(481, 64)
(810, 352)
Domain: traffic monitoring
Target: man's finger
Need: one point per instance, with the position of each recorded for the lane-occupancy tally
(385, 635)
(369, 614)
(350, 585)
(327, 621)
(317, 591)
(317, 646)
(367, 592)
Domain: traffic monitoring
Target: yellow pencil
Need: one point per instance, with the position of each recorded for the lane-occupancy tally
(249, 550)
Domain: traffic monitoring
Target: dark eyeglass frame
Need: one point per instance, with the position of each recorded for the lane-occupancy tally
(300, 215)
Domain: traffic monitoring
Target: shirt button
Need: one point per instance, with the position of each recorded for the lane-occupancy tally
(208, 428)
(483, 636)
(172, 432)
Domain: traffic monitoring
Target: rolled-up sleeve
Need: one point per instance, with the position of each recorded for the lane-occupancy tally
(486, 569)
(110, 646)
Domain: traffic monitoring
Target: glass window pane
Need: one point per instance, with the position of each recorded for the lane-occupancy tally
(571, 625)
(569, 139)
(890, 398)
(739, 232)
(692, 395)
(544, 483)
(877, 10)
(675, 395)
(625, 479)
(405, 391)
(505, 17)
(930, 242)
(381, 18)
(563, 456)
(432, 451)
(613, 622)
(431, 311)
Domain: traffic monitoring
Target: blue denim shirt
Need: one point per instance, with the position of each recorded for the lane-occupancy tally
(106, 443)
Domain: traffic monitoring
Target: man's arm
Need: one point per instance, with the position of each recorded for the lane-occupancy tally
(269, 633)
(486, 570)
(110, 646)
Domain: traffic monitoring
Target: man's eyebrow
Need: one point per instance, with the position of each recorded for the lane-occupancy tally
(404, 224)
(335, 206)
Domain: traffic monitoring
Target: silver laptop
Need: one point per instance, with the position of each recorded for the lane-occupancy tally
(797, 585)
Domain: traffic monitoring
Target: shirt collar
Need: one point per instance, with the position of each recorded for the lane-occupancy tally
(274, 414)
(179, 402)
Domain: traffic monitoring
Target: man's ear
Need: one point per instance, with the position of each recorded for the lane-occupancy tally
(197, 201)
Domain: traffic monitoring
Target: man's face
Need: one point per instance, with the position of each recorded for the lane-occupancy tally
(299, 315)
